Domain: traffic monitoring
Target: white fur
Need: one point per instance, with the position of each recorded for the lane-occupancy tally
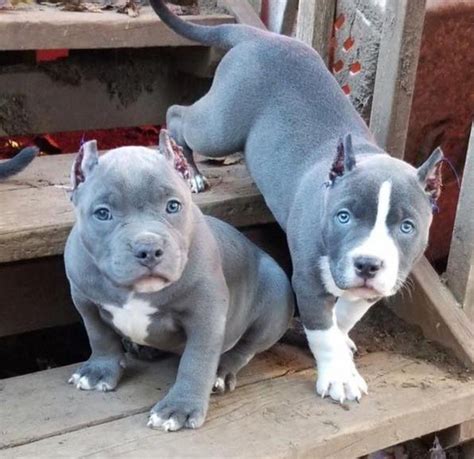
(349, 312)
(168, 425)
(219, 384)
(83, 383)
(337, 374)
(381, 245)
(132, 319)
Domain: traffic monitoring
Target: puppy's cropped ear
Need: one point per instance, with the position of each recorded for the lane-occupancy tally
(429, 174)
(167, 145)
(345, 159)
(84, 163)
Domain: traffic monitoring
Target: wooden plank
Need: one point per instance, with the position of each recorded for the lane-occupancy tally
(281, 15)
(282, 417)
(315, 23)
(457, 435)
(460, 272)
(35, 220)
(41, 405)
(396, 72)
(134, 87)
(432, 306)
(54, 29)
(243, 12)
(35, 295)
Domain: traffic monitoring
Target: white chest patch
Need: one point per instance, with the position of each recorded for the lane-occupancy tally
(132, 319)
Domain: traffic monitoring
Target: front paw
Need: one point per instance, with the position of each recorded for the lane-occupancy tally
(174, 413)
(101, 374)
(339, 378)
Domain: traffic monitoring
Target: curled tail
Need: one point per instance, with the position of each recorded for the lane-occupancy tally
(222, 36)
(18, 163)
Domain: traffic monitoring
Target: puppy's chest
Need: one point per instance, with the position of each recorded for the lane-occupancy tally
(134, 318)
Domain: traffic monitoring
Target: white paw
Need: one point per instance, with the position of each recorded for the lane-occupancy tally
(83, 383)
(340, 379)
(198, 183)
(219, 385)
(337, 374)
(168, 425)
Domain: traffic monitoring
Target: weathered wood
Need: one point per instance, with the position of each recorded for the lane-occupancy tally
(35, 295)
(315, 23)
(36, 214)
(42, 404)
(396, 72)
(54, 29)
(243, 12)
(429, 304)
(279, 417)
(133, 87)
(460, 272)
(281, 16)
(457, 435)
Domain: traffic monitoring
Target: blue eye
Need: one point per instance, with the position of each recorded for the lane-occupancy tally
(102, 214)
(407, 227)
(343, 217)
(173, 206)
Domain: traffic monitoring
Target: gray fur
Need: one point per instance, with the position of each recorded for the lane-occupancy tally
(311, 155)
(216, 298)
(18, 163)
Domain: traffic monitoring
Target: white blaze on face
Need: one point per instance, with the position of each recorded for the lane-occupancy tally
(132, 319)
(381, 245)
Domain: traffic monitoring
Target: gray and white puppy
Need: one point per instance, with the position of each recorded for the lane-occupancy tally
(144, 263)
(356, 219)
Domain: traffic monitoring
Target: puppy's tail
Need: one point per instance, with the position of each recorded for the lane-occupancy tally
(18, 163)
(223, 36)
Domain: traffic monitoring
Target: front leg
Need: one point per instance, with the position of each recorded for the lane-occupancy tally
(348, 313)
(337, 374)
(105, 366)
(187, 402)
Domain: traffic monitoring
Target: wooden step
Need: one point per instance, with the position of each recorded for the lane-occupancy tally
(274, 412)
(36, 214)
(55, 29)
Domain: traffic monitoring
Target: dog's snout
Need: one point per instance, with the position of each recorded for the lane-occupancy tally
(367, 267)
(148, 251)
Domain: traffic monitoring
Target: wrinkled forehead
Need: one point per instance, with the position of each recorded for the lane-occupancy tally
(137, 174)
(363, 186)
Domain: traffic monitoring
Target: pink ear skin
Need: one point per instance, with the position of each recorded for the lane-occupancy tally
(345, 159)
(430, 175)
(85, 161)
(174, 153)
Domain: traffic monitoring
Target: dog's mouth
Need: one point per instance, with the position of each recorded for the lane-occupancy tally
(151, 283)
(366, 292)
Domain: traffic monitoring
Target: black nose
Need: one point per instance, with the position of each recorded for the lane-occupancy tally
(367, 267)
(148, 253)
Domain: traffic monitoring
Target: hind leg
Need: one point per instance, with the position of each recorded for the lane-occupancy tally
(174, 122)
(233, 361)
(217, 124)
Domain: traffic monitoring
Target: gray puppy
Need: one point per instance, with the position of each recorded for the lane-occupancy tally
(144, 263)
(356, 219)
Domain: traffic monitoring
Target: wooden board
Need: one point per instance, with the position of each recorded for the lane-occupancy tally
(396, 73)
(36, 214)
(432, 306)
(460, 272)
(243, 12)
(42, 405)
(273, 414)
(54, 29)
(315, 24)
